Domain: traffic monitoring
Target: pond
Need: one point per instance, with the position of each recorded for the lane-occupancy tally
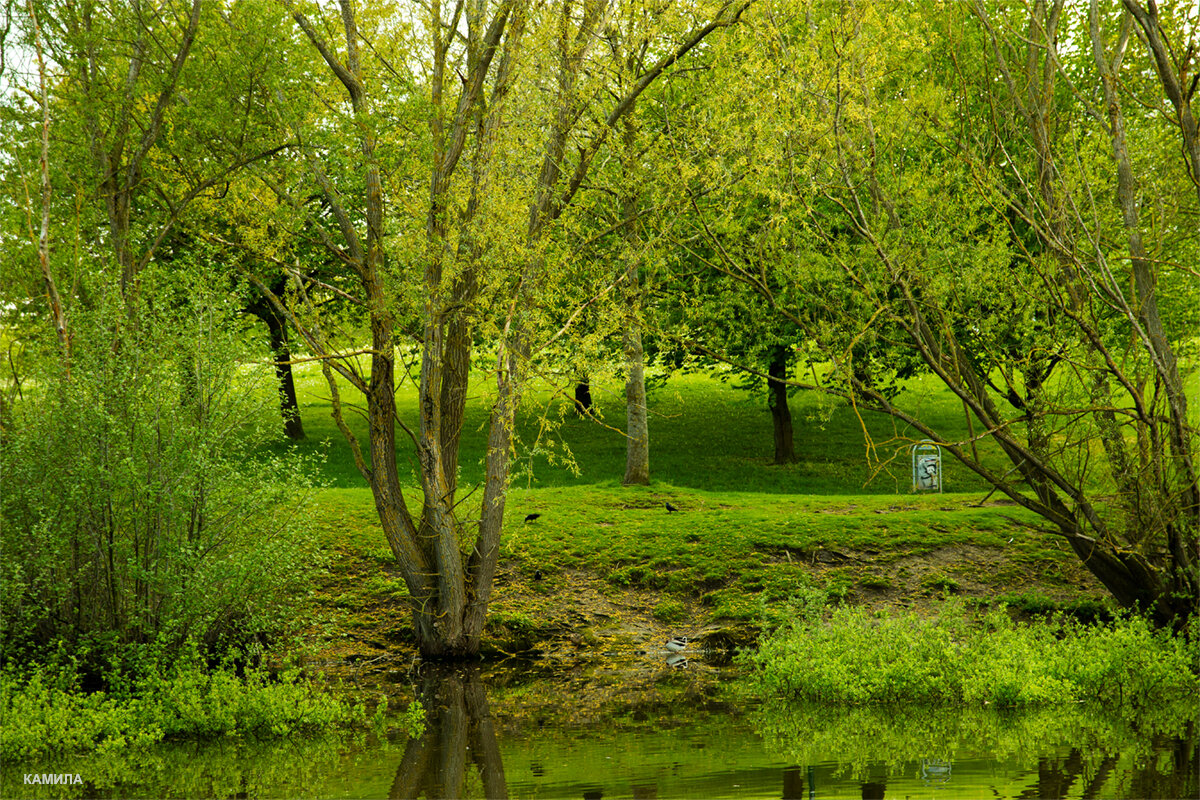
(674, 733)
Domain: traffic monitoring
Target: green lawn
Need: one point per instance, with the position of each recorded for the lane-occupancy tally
(749, 536)
(704, 435)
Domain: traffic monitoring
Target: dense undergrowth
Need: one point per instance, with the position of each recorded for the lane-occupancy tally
(852, 657)
(147, 550)
(47, 712)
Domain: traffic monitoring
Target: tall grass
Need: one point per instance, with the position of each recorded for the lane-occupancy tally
(187, 701)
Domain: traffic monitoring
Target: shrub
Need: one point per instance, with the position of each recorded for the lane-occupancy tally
(190, 701)
(132, 511)
(854, 657)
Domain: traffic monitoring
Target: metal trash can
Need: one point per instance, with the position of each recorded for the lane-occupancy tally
(926, 466)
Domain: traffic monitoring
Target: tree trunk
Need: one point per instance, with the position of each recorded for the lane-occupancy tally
(1173, 74)
(57, 311)
(583, 396)
(277, 333)
(289, 407)
(777, 400)
(1182, 545)
(637, 426)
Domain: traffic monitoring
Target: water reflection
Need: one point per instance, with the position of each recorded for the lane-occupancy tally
(1052, 753)
(554, 739)
(459, 731)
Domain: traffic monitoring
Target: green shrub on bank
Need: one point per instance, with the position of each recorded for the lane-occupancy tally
(133, 511)
(45, 712)
(854, 657)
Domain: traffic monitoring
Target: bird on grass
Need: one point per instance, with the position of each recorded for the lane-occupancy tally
(670, 507)
(677, 644)
(531, 517)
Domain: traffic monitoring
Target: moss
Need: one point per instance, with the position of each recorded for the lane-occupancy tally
(670, 612)
(940, 584)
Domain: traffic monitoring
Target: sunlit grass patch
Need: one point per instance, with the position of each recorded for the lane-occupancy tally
(704, 434)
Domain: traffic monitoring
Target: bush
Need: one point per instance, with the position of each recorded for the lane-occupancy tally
(132, 511)
(854, 657)
(190, 702)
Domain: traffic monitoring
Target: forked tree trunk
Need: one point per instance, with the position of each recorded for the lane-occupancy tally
(450, 589)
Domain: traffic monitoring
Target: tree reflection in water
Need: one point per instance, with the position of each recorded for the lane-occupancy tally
(458, 732)
(812, 751)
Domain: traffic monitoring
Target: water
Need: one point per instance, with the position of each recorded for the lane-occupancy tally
(679, 735)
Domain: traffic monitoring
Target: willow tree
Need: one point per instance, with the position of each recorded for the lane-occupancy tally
(948, 187)
(514, 108)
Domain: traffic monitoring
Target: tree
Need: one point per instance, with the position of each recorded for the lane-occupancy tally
(724, 235)
(945, 189)
(132, 517)
(277, 331)
(483, 263)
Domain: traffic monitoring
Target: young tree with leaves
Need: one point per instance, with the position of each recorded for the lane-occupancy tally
(484, 262)
(940, 179)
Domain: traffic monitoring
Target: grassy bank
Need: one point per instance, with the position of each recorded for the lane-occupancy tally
(610, 567)
(605, 564)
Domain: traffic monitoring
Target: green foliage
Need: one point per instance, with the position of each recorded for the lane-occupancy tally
(187, 702)
(131, 511)
(857, 736)
(854, 657)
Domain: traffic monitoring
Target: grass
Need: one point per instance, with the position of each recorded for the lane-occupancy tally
(725, 557)
(749, 536)
(705, 434)
(191, 702)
